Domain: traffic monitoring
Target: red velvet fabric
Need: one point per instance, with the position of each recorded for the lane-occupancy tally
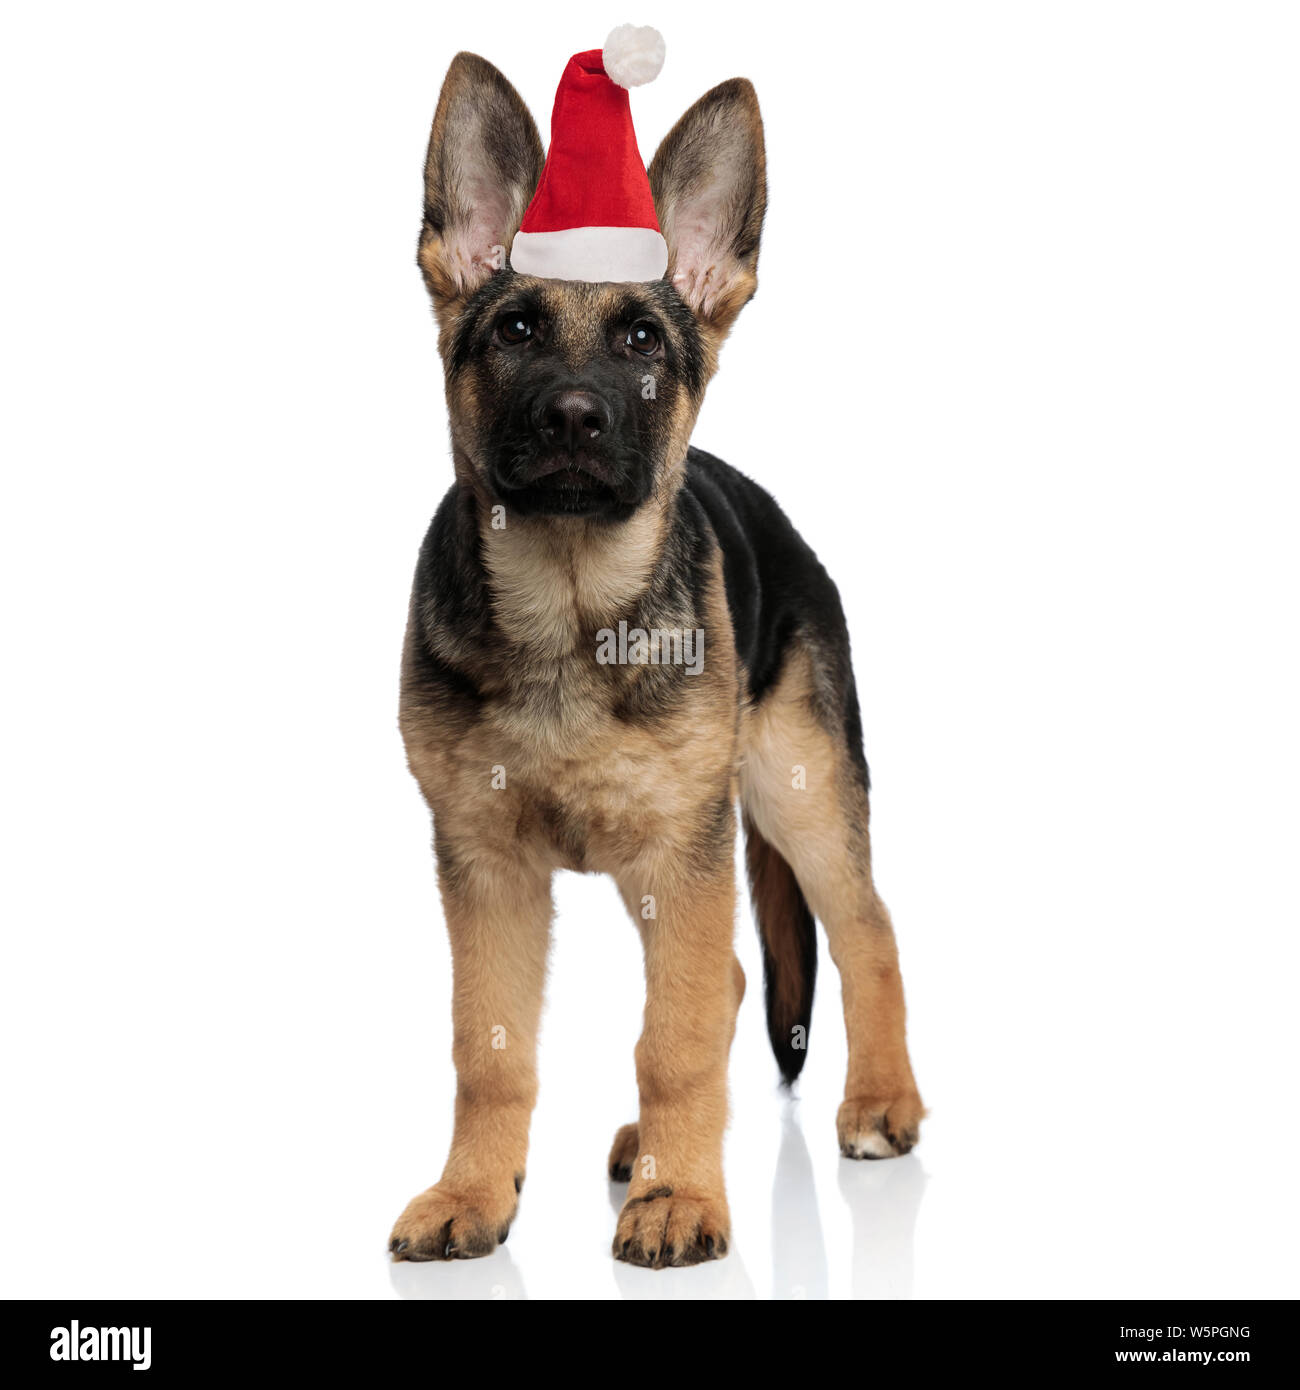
(594, 176)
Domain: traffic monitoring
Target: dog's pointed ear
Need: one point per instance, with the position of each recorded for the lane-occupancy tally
(709, 181)
(484, 162)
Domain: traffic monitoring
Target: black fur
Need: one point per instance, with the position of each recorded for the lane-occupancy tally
(775, 587)
(788, 936)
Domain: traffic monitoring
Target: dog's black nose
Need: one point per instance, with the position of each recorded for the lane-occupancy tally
(569, 419)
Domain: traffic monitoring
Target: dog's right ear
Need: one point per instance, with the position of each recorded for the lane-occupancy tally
(485, 160)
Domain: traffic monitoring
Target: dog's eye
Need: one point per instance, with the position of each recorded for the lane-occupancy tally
(643, 338)
(514, 329)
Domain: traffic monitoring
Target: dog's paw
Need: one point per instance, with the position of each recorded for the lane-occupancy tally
(660, 1228)
(870, 1127)
(622, 1155)
(444, 1224)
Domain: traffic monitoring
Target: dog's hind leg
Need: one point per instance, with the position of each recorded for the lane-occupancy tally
(805, 795)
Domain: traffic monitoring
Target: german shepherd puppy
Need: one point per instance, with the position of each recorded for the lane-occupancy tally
(541, 741)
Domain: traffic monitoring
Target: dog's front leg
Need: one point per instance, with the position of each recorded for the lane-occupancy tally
(676, 1208)
(498, 910)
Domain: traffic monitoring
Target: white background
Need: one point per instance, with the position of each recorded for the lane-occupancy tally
(1023, 369)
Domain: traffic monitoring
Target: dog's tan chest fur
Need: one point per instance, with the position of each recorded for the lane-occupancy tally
(553, 588)
(548, 758)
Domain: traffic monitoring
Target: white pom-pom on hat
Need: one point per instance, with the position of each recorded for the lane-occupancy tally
(633, 55)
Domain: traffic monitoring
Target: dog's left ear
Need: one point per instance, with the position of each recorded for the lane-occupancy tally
(709, 181)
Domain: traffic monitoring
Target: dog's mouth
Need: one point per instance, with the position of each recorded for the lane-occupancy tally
(564, 482)
(570, 470)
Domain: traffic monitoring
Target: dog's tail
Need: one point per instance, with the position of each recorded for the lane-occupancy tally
(789, 937)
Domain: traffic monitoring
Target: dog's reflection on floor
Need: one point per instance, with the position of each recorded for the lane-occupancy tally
(883, 1198)
(495, 1276)
(798, 1246)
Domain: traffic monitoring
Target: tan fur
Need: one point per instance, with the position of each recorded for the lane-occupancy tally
(552, 586)
(498, 909)
(572, 751)
(676, 1209)
(821, 830)
(623, 1152)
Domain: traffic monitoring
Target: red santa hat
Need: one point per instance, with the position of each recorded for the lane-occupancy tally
(593, 217)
